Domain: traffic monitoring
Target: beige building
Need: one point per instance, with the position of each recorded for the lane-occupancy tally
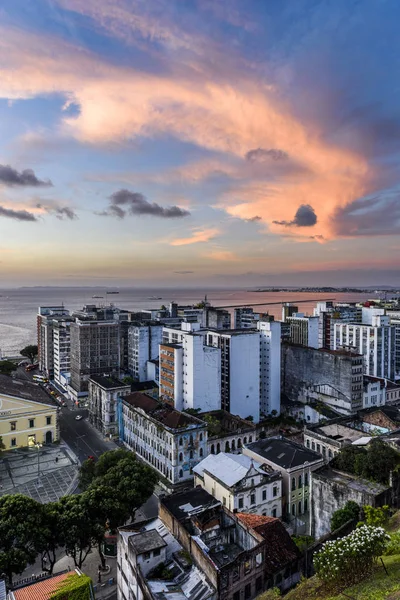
(27, 414)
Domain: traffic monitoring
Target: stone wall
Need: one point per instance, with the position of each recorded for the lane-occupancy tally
(331, 489)
(381, 420)
(310, 374)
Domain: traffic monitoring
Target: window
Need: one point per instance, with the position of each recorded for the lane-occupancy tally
(235, 576)
(48, 420)
(300, 481)
(212, 449)
(299, 508)
(313, 445)
(240, 503)
(252, 498)
(13, 442)
(308, 443)
(293, 484)
(180, 441)
(305, 505)
(274, 512)
(294, 510)
(258, 584)
(318, 447)
(180, 457)
(306, 479)
(157, 552)
(275, 491)
(146, 556)
(201, 452)
(13, 425)
(191, 454)
(247, 566)
(31, 423)
(224, 500)
(264, 495)
(201, 437)
(247, 591)
(236, 596)
(180, 473)
(259, 558)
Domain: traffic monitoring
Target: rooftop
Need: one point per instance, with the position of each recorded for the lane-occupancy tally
(230, 469)
(186, 504)
(146, 541)
(280, 549)
(108, 382)
(339, 432)
(163, 413)
(23, 389)
(42, 590)
(141, 386)
(352, 482)
(283, 452)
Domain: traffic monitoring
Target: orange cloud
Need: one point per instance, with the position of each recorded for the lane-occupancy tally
(199, 235)
(223, 255)
(118, 103)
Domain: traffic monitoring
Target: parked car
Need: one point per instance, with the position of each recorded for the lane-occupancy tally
(78, 417)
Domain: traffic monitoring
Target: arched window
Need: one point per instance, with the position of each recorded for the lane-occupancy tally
(306, 479)
(180, 457)
(239, 443)
(191, 454)
(201, 452)
(212, 449)
(233, 445)
(180, 441)
(293, 484)
(250, 439)
(201, 437)
(218, 448)
(308, 443)
(180, 473)
(191, 440)
(245, 440)
(300, 481)
(227, 449)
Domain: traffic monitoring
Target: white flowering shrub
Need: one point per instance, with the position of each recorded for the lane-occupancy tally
(351, 558)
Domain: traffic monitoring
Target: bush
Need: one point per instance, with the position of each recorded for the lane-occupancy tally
(352, 557)
(374, 463)
(393, 546)
(376, 517)
(351, 510)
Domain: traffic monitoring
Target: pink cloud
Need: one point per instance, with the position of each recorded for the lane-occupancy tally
(222, 255)
(198, 236)
(119, 103)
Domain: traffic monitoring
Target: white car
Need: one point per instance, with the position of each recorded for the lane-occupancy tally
(78, 417)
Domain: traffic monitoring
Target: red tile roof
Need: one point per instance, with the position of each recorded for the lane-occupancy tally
(42, 590)
(280, 549)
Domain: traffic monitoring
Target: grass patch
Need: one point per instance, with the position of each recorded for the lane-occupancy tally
(378, 586)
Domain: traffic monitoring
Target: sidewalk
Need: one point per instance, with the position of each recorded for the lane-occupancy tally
(105, 589)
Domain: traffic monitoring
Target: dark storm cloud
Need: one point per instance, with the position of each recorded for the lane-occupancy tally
(379, 215)
(26, 178)
(261, 155)
(124, 202)
(61, 212)
(17, 215)
(304, 217)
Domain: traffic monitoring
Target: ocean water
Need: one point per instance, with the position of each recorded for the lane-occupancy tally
(18, 307)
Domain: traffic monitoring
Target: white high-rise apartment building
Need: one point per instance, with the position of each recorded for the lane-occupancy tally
(303, 330)
(240, 370)
(376, 342)
(62, 351)
(46, 318)
(270, 366)
(143, 345)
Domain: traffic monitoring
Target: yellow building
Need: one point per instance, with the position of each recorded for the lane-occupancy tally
(27, 414)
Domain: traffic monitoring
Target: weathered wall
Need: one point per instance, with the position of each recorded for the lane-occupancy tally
(328, 495)
(308, 373)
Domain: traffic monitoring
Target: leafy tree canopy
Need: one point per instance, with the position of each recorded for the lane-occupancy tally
(351, 510)
(7, 367)
(374, 462)
(30, 352)
(20, 533)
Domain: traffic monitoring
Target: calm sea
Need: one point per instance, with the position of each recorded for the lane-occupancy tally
(18, 307)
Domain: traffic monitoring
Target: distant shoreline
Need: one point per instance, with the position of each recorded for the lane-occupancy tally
(324, 290)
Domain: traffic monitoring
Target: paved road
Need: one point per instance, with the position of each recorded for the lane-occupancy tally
(80, 436)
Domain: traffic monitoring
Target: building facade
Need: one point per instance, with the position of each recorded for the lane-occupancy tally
(295, 463)
(46, 317)
(95, 350)
(270, 366)
(27, 415)
(143, 345)
(303, 330)
(376, 342)
(168, 440)
(103, 397)
(62, 351)
(245, 318)
(241, 484)
(329, 376)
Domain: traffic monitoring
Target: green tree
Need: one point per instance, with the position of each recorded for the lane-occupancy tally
(30, 352)
(86, 473)
(20, 533)
(7, 367)
(213, 425)
(377, 517)
(106, 509)
(51, 535)
(351, 510)
(79, 528)
(375, 462)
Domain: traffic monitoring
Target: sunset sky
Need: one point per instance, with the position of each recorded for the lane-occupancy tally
(185, 142)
